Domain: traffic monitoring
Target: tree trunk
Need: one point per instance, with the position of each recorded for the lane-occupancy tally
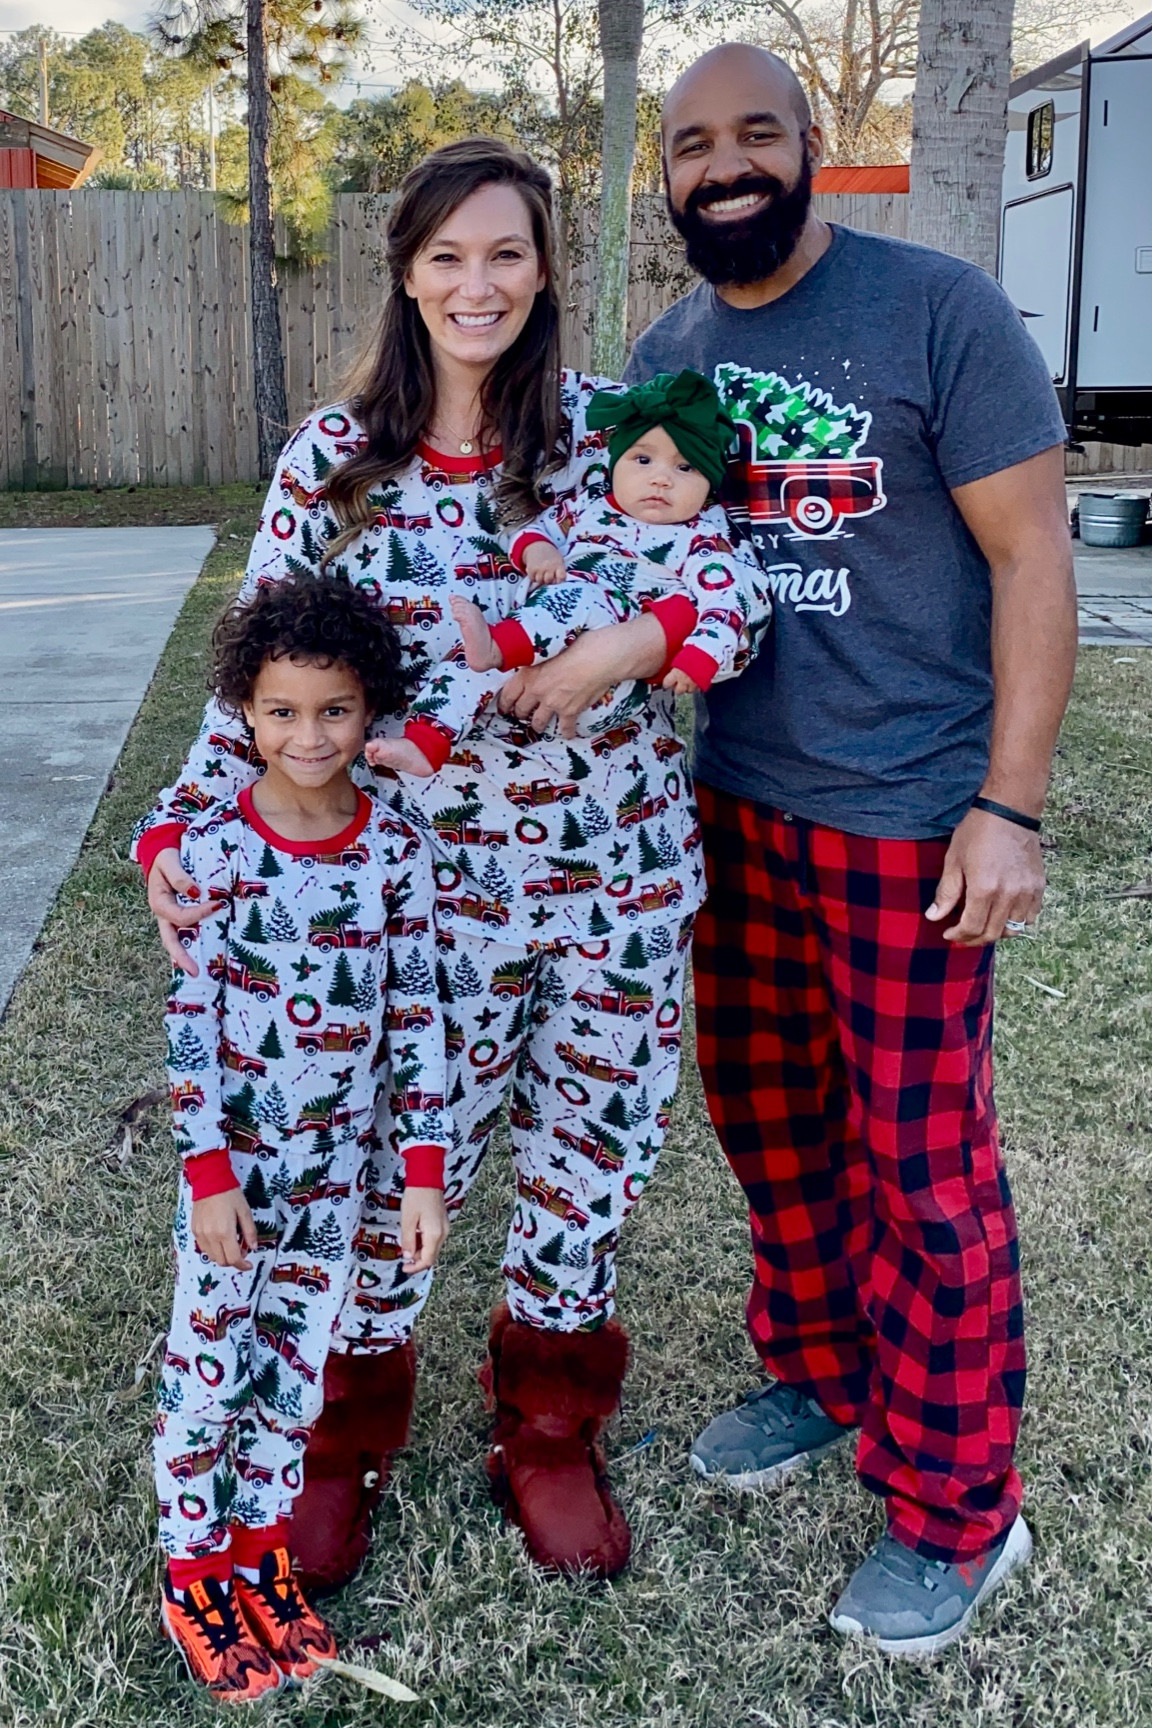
(621, 33)
(267, 351)
(958, 127)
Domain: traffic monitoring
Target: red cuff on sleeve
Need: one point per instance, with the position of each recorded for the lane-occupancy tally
(154, 841)
(676, 616)
(436, 744)
(700, 667)
(210, 1173)
(528, 537)
(424, 1166)
(514, 643)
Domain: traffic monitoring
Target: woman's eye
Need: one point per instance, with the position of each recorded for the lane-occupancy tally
(510, 257)
(443, 258)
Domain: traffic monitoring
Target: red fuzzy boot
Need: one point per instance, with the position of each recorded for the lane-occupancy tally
(552, 1392)
(367, 1406)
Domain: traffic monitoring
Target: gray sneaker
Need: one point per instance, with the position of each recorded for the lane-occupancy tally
(773, 1433)
(914, 1607)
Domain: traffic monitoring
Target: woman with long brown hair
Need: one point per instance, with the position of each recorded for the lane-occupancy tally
(567, 866)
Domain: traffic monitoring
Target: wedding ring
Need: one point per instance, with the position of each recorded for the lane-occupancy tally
(1015, 926)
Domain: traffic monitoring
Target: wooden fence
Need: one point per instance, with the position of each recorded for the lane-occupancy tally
(125, 342)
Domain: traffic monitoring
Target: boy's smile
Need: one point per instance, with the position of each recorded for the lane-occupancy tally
(308, 721)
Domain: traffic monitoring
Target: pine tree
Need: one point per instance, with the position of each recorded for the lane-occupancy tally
(416, 977)
(266, 1384)
(572, 836)
(578, 768)
(223, 1493)
(494, 881)
(256, 1190)
(659, 554)
(466, 978)
(275, 1109)
(602, 1207)
(642, 1054)
(300, 1241)
(253, 930)
(270, 1044)
(367, 995)
(325, 1145)
(342, 993)
(648, 855)
(257, 964)
(517, 1022)
(268, 866)
(615, 1112)
(485, 516)
(660, 942)
(641, 1109)
(463, 862)
(328, 1240)
(281, 927)
(596, 820)
(598, 925)
(188, 1054)
(668, 853)
(427, 571)
(443, 983)
(635, 955)
(241, 1106)
(399, 564)
(552, 1252)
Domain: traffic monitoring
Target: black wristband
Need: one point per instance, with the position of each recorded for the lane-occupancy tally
(1032, 823)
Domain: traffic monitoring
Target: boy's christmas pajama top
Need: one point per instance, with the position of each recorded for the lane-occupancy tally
(275, 1061)
(709, 600)
(548, 856)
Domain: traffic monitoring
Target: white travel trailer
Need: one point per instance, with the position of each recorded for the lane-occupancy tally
(1076, 229)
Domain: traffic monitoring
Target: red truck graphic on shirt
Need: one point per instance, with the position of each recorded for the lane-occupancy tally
(397, 519)
(813, 496)
(399, 610)
(539, 792)
(616, 738)
(571, 879)
(329, 930)
(558, 1201)
(337, 1036)
(466, 831)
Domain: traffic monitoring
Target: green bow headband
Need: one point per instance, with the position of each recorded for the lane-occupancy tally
(686, 405)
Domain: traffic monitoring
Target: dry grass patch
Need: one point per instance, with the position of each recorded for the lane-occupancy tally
(720, 1622)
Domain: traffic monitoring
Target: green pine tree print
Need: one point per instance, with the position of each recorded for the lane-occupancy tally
(649, 857)
(635, 955)
(598, 925)
(268, 866)
(552, 1252)
(188, 1054)
(790, 421)
(270, 1045)
(281, 927)
(256, 1190)
(642, 1054)
(578, 768)
(572, 836)
(342, 992)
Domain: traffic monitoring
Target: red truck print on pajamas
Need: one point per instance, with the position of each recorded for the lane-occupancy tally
(598, 1147)
(569, 879)
(539, 792)
(335, 1037)
(559, 1201)
(595, 1067)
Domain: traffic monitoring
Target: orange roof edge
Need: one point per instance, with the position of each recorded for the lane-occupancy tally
(890, 179)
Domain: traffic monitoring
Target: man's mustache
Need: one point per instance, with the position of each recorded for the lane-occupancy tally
(760, 185)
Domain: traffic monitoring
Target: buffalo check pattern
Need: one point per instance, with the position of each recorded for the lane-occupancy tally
(846, 1053)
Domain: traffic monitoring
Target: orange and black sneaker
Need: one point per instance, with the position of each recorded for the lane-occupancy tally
(220, 1651)
(295, 1636)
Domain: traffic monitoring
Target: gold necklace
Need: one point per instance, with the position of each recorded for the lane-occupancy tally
(467, 445)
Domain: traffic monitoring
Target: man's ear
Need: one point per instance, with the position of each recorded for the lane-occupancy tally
(815, 147)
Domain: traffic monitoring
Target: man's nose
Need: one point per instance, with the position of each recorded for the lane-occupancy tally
(727, 162)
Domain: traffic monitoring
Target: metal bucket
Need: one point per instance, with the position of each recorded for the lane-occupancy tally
(1112, 518)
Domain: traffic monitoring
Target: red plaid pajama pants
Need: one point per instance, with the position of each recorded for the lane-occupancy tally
(846, 1050)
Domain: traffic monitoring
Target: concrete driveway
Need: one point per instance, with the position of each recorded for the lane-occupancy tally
(84, 615)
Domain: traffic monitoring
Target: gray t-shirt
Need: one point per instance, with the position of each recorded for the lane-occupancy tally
(886, 376)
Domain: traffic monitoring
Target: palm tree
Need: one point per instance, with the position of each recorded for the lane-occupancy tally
(273, 39)
(958, 126)
(621, 35)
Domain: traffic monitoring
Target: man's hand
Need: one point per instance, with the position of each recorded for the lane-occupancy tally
(561, 689)
(166, 879)
(423, 1228)
(225, 1229)
(997, 869)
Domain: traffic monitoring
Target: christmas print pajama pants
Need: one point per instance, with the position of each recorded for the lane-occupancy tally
(846, 1051)
(243, 1376)
(588, 1040)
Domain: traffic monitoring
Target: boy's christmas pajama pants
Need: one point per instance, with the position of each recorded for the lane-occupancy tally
(243, 1377)
(588, 1039)
(846, 1053)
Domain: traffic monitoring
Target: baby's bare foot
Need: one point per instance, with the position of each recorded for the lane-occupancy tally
(399, 754)
(480, 649)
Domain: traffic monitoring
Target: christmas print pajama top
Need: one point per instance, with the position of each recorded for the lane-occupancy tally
(618, 567)
(276, 1059)
(548, 856)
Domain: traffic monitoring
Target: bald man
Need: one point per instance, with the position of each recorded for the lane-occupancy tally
(871, 791)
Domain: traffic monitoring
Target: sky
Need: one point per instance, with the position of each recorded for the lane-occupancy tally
(77, 16)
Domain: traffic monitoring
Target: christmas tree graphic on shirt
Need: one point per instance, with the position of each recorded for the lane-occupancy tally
(799, 467)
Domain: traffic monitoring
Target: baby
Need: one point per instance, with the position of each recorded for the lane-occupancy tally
(652, 543)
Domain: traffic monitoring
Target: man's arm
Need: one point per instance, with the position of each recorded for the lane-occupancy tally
(1019, 519)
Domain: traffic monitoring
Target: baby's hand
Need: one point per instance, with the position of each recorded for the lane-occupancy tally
(423, 1228)
(225, 1229)
(680, 683)
(399, 754)
(544, 565)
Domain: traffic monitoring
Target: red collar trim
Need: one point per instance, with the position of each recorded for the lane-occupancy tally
(305, 848)
(460, 464)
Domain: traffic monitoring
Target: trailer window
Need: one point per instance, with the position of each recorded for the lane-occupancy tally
(1041, 126)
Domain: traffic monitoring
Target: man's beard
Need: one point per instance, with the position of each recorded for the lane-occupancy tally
(740, 252)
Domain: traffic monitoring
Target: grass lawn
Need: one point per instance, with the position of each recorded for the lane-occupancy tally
(721, 1621)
